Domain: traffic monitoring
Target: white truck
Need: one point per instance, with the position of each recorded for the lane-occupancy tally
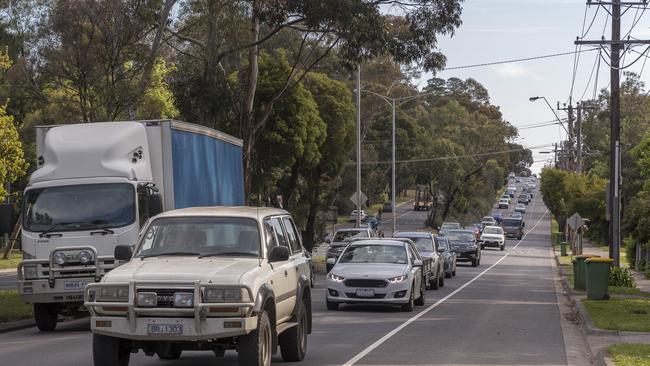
(96, 185)
(208, 278)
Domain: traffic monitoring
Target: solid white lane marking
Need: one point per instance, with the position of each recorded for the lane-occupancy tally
(417, 316)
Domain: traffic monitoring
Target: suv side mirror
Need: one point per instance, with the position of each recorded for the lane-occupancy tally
(6, 218)
(123, 252)
(417, 263)
(155, 204)
(279, 254)
(441, 250)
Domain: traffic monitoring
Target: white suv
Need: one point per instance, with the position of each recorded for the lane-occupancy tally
(206, 279)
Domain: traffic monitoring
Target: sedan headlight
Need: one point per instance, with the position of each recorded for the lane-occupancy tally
(147, 299)
(30, 272)
(185, 299)
(113, 294)
(398, 279)
(336, 278)
(85, 257)
(224, 294)
(60, 258)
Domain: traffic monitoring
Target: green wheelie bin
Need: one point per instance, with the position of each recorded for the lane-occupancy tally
(598, 278)
(580, 271)
(563, 251)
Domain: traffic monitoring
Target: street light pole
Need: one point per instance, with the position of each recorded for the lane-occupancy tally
(394, 172)
(359, 145)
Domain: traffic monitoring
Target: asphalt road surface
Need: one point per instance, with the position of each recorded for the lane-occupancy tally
(8, 280)
(504, 312)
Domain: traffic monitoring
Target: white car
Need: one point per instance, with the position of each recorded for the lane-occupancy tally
(493, 236)
(377, 271)
(209, 278)
(504, 203)
(488, 221)
(353, 215)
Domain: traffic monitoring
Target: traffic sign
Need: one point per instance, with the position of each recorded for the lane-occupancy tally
(362, 201)
(575, 221)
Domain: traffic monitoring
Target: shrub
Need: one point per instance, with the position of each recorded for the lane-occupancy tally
(621, 277)
(630, 249)
(647, 274)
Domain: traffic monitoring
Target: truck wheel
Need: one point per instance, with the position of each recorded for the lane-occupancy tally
(420, 300)
(293, 342)
(434, 284)
(110, 351)
(441, 281)
(503, 247)
(169, 351)
(332, 305)
(255, 347)
(409, 305)
(46, 316)
(474, 263)
(448, 274)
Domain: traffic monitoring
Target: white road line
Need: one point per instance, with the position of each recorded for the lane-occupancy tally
(383, 339)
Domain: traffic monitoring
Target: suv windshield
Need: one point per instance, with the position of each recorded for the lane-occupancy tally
(460, 236)
(349, 234)
(79, 207)
(511, 222)
(374, 254)
(203, 236)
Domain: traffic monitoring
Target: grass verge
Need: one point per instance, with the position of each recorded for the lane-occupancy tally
(630, 354)
(15, 257)
(620, 314)
(12, 308)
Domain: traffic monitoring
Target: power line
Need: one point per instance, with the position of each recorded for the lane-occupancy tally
(516, 60)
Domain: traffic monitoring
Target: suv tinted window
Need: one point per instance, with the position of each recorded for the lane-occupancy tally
(279, 233)
(292, 234)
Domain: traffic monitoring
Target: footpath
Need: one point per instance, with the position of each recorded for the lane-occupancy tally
(617, 330)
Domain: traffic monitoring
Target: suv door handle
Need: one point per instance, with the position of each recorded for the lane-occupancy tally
(286, 274)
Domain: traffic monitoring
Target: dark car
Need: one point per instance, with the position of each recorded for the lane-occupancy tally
(449, 256)
(523, 198)
(513, 227)
(342, 238)
(464, 243)
(387, 207)
(498, 216)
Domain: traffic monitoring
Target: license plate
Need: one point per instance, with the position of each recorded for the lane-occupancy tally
(365, 293)
(165, 328)
(74, 285)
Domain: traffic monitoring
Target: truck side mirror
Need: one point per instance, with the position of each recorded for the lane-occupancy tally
(155, 204)
(6, 218)
(123, 252)
(279, 254)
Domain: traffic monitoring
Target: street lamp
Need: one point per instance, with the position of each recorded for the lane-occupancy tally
(393, 103)
(534, 99)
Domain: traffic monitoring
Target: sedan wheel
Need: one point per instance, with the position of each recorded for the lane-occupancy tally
(409, 305)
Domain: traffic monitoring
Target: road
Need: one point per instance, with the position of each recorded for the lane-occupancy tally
(8, 280)
(504, 312)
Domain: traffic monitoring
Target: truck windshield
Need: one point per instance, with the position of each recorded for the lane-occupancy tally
(79, 207)
(202, 236)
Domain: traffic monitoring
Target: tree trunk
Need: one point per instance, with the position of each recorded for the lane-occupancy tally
(314, 205)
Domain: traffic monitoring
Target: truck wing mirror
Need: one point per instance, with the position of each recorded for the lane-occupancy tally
(155, 204)
(6, 218)
(279, 254)
(123, 252)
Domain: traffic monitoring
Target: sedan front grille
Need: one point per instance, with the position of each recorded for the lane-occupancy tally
(365, 283)
(352, 295)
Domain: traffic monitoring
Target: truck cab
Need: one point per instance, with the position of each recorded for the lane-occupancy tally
(95, 187)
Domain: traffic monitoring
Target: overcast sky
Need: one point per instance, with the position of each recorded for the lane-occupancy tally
(495, 30)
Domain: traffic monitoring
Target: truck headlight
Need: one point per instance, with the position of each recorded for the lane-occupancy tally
(85, 257)
(147, 299)
(30, 272)
(183, 299)
(398, 279)
(60, 258)
(225, 294)
(113, 294)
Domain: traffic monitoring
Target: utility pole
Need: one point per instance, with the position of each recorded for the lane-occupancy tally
(394, 174)
(571, 158)
(615, 107)
(579, 140)
(359, 145)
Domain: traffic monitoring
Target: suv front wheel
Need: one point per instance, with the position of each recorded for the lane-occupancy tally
(255, 347)
(293, 342)
(110, 351)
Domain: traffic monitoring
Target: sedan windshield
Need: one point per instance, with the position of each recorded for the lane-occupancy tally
(202, 236)
(79, 207)
(374, 254)
(493, 230)
(465, 236)
(349, 234)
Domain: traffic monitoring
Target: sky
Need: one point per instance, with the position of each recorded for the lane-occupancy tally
(496, 30)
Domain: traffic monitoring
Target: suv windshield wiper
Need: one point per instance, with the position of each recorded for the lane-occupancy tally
(168, 253)
(227, 254)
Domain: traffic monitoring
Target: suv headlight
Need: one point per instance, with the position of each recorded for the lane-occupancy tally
(336, 278)
(30, 271)
(59, 258)
(224, 294)
(184, 299)
(85, 257)
(147, 299)
(111, 294)
(398, 279)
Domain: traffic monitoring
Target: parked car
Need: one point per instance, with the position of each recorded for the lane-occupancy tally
(464, 243)
(187, 265)
(449, 256)
(503, 203)
(353, 215)
(427, 247)
(520, 208)
(493, 237)
(448, 226)
(387, 207)
(377, 271)
(498, 216)
(342, 238)
(513, 227)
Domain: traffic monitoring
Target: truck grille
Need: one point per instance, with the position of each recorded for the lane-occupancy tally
(165, 297)
(365, 283)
